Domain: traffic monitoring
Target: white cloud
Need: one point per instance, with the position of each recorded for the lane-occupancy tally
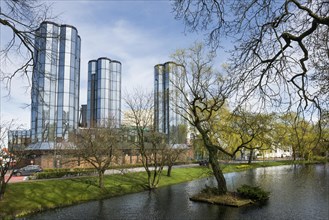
(139, 35)
(137, 50)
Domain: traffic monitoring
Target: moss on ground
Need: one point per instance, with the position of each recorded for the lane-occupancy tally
(229, 199)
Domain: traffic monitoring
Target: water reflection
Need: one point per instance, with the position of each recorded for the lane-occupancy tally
(297, 192)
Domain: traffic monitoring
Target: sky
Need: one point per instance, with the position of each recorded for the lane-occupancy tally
(139, 34)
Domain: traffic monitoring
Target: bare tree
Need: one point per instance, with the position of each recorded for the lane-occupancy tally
(172, 154)
(18, 21)
(5, 166)
(177, 138)
(98, 147)
(150, 144)
(204, 92)
(204, 95)
(153, 156)
(280, 48)
(9, 157)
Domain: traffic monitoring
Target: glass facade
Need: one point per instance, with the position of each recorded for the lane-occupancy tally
(18, 138)
(55, 82)
(104, 92)
(166, 102)
(83, 116)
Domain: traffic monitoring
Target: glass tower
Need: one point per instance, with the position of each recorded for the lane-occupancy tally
(104, 92)
(167, 100)
(55, 82)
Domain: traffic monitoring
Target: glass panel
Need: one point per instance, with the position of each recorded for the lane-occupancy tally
(49, 44)
(67, 72)
(74, 35)
(61, 58)
(68, 44)
(103, 63)
(68, 32)
(47, 70)
(67, 59)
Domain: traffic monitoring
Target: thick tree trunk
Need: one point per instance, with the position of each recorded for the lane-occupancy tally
(169, 170)
(101, 179)
(152, 179)
(218, 173)
(213, 160)
(149, 176)
(250, 156)
(155, 176)
(294, 153)
(2, 187)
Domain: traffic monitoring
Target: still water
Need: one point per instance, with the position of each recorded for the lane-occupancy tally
(297, 192)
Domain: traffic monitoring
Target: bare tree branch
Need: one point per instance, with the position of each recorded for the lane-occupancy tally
(280, 48)
(19, 19)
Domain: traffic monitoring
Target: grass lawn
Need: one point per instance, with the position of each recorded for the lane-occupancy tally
(34, 196)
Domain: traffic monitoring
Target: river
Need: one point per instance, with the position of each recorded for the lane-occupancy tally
(297, 192)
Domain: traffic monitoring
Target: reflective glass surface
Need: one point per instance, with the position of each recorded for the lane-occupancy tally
(167, 99)
(55, 83)
(104, 92)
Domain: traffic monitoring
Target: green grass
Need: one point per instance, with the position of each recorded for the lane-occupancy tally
(28, 197)
(34, 196)
(228, 168)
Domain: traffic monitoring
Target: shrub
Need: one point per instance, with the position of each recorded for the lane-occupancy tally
(51, 170)
(243, 166)
(210, 190)
(253, 192)
(59, 173)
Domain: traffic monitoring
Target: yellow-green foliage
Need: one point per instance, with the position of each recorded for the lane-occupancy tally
(243, 166)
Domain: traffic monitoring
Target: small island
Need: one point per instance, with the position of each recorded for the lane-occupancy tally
(245, 195)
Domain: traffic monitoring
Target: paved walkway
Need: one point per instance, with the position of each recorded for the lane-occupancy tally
(15, 179)
(140, 169)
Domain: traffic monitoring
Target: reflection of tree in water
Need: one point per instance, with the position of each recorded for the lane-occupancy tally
(101, 208)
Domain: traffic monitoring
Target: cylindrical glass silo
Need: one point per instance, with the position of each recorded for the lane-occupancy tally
(104, 92)
(55, 82)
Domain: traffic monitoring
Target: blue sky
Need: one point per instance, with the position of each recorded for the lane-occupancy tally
(139, 34)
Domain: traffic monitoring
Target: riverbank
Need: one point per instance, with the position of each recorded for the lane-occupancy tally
(29, 197)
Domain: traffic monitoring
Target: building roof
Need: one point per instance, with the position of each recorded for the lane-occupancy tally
(49, 146)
